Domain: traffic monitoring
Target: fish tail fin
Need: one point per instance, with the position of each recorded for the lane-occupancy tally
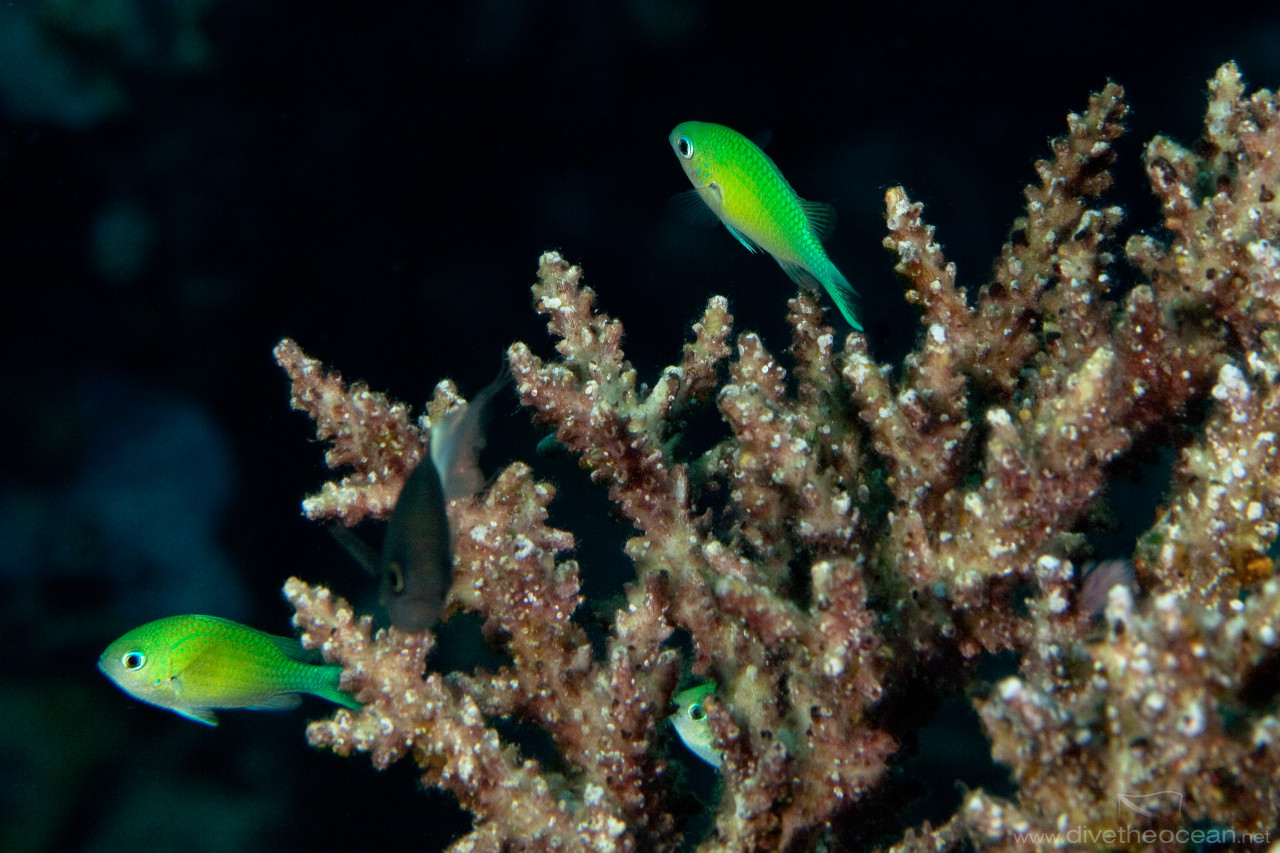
(327, 688)
(842, 293)
(831, 279)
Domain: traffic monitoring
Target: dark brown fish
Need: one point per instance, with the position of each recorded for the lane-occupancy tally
(417, 551)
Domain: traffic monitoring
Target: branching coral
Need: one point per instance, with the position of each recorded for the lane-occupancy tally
(853, 537)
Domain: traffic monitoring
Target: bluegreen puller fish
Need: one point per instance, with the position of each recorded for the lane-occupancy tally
(745, 189)
(690, 722)
(194, 664)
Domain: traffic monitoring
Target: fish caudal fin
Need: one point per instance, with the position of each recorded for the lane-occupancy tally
(328, 688)
(833, 281)
(842, 293)
(338, 697)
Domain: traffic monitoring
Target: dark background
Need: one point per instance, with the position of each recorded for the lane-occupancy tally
(183, 184)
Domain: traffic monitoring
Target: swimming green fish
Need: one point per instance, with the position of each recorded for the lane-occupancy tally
(744, 188)
(690, 721)
(193, 664)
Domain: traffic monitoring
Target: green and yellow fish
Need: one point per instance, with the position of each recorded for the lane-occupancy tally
(690, 721)
(744, 188)
(194, 664)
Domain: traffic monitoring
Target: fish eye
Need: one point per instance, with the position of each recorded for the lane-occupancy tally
(395, 576)
(684, 147)
(133, 660)
(696, 713)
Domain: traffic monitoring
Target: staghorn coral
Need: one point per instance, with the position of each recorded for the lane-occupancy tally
(857, 537)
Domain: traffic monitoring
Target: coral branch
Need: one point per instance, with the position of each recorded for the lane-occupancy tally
(367, 432)
(858, 534)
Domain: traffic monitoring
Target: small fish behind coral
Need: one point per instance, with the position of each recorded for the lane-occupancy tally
(744, 188)
(194, 664)
(690, 721)
(1097, 581)
(417, 551)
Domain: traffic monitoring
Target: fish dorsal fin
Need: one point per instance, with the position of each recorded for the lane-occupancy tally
(821, 216)
(292, 649)
(762, 139)
(456, 442)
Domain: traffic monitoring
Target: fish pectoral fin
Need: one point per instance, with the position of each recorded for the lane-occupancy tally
(200, 715)
(744, 239)
(360, 551)
(278, 702)
(821, 217)
(717, 193)
(690, 208)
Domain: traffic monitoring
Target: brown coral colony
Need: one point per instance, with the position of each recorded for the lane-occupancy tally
(874, 533)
